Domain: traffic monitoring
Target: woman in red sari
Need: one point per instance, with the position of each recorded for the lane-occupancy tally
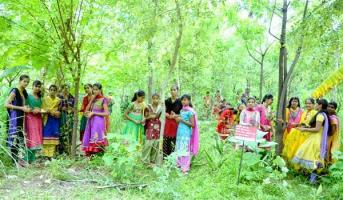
(85, 101)
(225, 123)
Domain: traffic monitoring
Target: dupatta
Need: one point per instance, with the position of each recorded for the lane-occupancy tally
(194, 142)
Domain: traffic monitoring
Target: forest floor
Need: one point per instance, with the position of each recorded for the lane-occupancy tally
(213, 176)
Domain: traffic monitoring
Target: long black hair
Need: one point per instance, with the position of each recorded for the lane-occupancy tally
(333, 104)
(266, 97)
(251, 98)
(155, 95)
(139, 93)
(324, 104)
(311, 100)
(53, 86)
(187, 96)
(22, 77)
(88, 85)
(37, 83)
(290, 102)
(99, 86)
(175, 87)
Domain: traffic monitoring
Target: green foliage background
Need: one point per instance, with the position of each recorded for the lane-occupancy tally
(127, 41)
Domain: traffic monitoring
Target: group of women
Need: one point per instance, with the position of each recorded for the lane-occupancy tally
(181, 132)
(310, 138)
(250, 114)
(44, 122)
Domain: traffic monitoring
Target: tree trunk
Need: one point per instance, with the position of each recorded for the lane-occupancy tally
(150, 78)
(164, 83)
(76, 112)
(282, 61)
(286, 74)
(261, 77)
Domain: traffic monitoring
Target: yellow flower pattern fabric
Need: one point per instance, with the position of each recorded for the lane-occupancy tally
(331, 82)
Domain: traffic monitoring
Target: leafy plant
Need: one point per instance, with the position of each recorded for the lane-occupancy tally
(121, 158)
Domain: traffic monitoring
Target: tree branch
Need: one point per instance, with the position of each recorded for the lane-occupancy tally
(270, 24)
(178, 39)
(252, 56)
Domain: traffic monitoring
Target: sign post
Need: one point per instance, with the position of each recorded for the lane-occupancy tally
(244, 133)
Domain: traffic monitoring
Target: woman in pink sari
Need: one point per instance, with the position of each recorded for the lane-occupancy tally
(334, 141)
(266, 116)
(33, 123)
(94, 139)
(187, 139)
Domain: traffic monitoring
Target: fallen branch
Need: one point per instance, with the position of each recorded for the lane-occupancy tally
(120, 186)
(123, 186)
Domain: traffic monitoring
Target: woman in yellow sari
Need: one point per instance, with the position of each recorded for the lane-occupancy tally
(312, 154)
(296, 137)
(51, 129)
(334, 142)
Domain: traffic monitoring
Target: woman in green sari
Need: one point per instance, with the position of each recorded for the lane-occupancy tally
(135, 118)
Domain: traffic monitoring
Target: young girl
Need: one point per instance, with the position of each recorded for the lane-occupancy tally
(238, 111)
(67, 105)
(187, 138)
(152, 131)
(173, 107)
(16, 108)
(135, 116)
(94, 139)
(33, 123)
(266, 116)
(334, 141)
(293, 116)
(51, 119)
(85, 102)
(225, 123)
(250, 116)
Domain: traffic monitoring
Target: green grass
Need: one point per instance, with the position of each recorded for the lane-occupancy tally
(65, 178)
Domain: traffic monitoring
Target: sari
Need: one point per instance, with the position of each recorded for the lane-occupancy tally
(225, 123)
(94, 140)
(334, 142)
(83, 122)
(293, 119)
(66, 124)
(187, 139)
(133, 130)
(312, 153)
(33, 129)
(296, 137)
(15, 124)
(265, 120)
(51, 129)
